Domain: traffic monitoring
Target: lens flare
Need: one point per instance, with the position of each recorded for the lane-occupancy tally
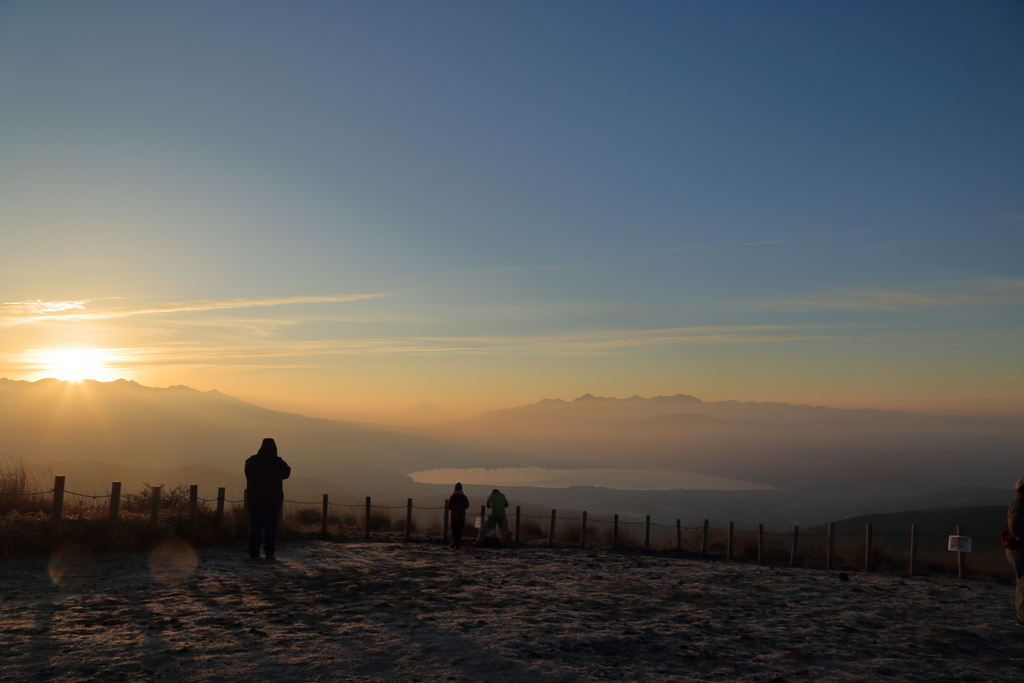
(173, 562)
(71, 566)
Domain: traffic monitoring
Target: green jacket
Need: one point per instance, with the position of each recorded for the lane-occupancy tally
(497, 503)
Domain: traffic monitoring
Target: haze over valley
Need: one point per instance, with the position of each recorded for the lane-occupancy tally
(776, 461)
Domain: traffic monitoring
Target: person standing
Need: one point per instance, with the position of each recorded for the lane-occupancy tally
(265, 473)
(1012, 539)
(497, 503)
(457, 506)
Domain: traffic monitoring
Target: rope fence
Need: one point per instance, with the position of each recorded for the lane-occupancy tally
(573, 528)
(32, 493)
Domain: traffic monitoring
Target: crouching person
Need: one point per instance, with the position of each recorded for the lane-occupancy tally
(497, 503)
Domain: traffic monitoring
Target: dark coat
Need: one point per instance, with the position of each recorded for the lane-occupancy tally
(264, 474)
(457, 505)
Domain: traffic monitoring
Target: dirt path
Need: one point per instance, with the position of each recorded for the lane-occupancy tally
(394, 612)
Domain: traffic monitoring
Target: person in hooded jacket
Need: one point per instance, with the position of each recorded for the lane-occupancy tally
(457, 506)
(265, 473)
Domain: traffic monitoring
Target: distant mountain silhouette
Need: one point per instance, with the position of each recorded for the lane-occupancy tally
(423, 409)
(808, 448)
(590, 408)
(779, 444)
(137, 426)
(687, 420)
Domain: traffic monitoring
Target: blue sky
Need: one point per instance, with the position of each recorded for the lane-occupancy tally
(820, 202)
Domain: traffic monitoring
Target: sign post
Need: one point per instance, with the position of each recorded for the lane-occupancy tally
(961, 544)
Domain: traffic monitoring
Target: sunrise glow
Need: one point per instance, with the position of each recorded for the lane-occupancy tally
(74, 364)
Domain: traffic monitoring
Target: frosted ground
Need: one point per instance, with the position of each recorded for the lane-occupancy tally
(396, 612)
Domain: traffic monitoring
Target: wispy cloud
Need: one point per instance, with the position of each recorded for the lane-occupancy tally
(568, 266)
(37, 307)
(260, 351)
(990, 292)
(758, 243)
(892, 245)
(25, 312)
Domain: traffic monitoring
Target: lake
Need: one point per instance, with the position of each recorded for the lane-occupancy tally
(637, 480)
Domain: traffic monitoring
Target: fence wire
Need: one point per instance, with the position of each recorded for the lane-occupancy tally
(85, 495)
(566, 519)
(33, 493)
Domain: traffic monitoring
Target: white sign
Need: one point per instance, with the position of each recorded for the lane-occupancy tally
(479, 522)
(960, 544)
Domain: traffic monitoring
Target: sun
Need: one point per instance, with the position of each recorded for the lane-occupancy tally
(76, 364)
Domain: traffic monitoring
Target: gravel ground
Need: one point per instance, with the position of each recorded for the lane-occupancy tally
(331, 611)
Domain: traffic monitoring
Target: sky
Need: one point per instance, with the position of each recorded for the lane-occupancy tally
(342, 209)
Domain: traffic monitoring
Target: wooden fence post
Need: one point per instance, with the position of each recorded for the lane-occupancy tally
(704, 540)
(518, 511)
(728, 542)
(444, 523)
(583, 531)
(115, 501)
(961, 565)
(366, 525)
(760, 543)
(792, 553)
(615, 533)
(154, 514)
(913, 548)
(57, 508)
(220, 504)
(323, 521)
(830, 547)
(193, 503)
(679, 534)
(647, 534)
(408, 520)
(551, 530)
(867, 547)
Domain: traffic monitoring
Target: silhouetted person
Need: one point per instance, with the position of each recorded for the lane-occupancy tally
(264, 474)
(497, 503)
(457, 506)
(1015, 546)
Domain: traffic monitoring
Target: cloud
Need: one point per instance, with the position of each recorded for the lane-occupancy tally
(989, 292)
(45, 311)
(258, 351)
(760, 243)
(570, 266)
(35, 307)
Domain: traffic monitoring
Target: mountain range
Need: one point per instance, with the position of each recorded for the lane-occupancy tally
(793, 447)
(123, 422)
(778, 444)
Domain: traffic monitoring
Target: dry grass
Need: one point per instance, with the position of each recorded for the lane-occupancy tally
(16, 488)
(26, 528)
(531, 530)
(567, 531)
